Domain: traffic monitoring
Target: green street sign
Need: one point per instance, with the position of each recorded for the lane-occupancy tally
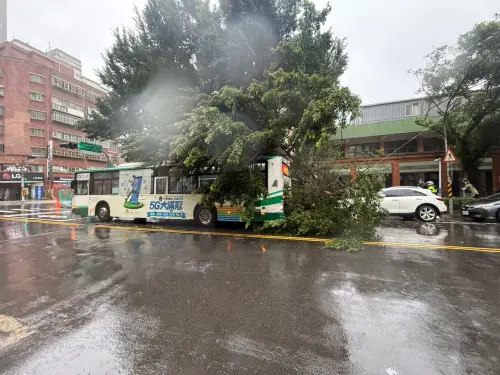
(84, 146)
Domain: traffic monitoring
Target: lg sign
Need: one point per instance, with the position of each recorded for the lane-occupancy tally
(9, 176)
(14, 176)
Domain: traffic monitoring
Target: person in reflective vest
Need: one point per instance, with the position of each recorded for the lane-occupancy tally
(431, 187)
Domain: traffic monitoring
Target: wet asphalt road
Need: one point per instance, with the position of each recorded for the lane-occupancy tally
(90, 300)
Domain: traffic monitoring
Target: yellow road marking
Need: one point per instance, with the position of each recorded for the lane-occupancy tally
(303, 239)
(260, 236)
(40, 221)
(221, 234)
(432, 246)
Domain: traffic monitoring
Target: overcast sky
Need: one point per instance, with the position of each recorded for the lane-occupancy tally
(385, 37)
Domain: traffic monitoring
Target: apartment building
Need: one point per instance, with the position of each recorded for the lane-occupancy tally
(42, 97)
(386, 139)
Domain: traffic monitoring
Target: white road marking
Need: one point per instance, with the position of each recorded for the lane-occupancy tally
(36, 214)
(6, 212)
(32, 235)
(33, 209)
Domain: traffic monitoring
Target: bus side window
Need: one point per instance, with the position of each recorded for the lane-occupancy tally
(205, 181)
(82, 188)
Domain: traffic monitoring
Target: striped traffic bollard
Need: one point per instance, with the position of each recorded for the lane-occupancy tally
(450, 191)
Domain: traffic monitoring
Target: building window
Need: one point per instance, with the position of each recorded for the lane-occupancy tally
(91, 97)
(412, 110)
(67, 86)
(2, 129)
(114, 147)
(1, 91)
(363, 150)
(68, 154)
(433, 144)
(1, 73)
(37, 78)
(65, 106)
(401, 147)
(34, 132)
(36, 168)
(37, 115)
(2, 147)
(1, 110)
(36, 96)
(91, 110)
(64, 118)
(39, 151)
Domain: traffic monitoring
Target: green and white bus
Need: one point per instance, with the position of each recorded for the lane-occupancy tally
(135, 192)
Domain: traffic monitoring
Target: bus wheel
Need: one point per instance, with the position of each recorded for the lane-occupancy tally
(103, 213)
(206, 217)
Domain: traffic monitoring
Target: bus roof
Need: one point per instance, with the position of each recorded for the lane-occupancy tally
(135, 167)
(124, 168)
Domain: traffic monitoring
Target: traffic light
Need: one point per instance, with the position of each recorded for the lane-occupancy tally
(71, 145)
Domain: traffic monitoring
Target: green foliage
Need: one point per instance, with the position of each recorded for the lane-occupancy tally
(219, 88)
(458, 203)
(324, 201)
(462, 85)
(240, 187)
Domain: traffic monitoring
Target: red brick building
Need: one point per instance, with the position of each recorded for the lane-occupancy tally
(42, 97)
(409, 152)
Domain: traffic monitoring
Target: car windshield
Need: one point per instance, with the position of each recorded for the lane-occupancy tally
(490, 199)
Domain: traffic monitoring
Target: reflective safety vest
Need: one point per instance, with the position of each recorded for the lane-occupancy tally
(433, 189)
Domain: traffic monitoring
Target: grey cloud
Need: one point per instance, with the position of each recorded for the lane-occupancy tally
(385, 37)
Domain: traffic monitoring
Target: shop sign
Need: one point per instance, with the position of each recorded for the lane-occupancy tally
(62, 179)
(83, 176)
(16, 176)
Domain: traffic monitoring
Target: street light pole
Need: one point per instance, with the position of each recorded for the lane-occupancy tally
(440, 160)
(23, 198)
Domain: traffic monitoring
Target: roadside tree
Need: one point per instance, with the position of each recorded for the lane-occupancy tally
(462, 84)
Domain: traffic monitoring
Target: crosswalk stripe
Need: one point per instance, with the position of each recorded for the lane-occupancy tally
(38, 213)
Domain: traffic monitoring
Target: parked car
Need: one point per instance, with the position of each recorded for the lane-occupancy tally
(487, 208)
(411, 201)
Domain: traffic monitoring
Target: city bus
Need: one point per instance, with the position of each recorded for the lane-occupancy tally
(136, 192)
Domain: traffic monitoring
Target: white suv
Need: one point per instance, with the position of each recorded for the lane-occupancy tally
(410, 201)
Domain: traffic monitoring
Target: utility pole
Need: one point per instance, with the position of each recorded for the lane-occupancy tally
(50, 167)
(448, 169)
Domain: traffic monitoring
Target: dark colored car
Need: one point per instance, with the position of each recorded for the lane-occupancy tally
(484, 209)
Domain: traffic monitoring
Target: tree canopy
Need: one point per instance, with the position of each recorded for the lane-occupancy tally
(222, 86)
(462, 84)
